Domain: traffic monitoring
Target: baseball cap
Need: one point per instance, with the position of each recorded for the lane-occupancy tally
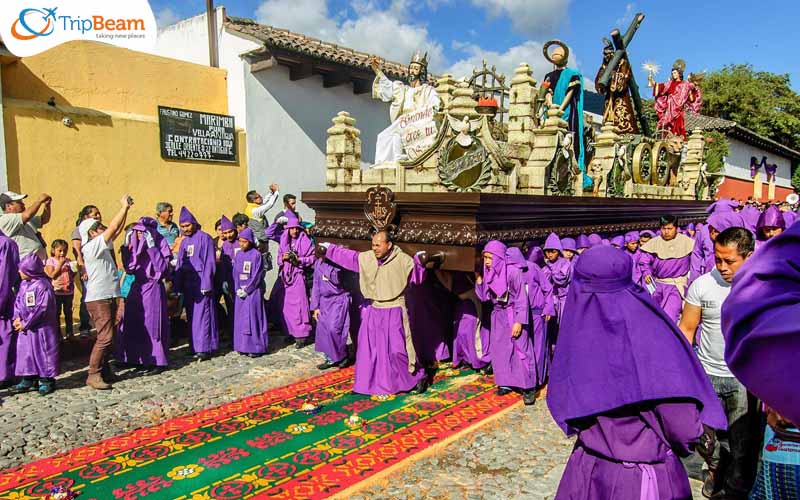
(84, 228)
(9, 196)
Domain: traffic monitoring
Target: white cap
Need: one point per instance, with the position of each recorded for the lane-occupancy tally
(10, 196)
(792, 198)
(83, 229)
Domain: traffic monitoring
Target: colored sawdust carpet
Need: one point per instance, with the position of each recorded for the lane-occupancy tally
(263, 446)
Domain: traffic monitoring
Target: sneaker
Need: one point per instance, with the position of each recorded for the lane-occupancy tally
(529, 397)
(24, 385)
(46, 387)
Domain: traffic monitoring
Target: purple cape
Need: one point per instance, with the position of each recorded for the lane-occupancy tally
(605, 358)
(35, 305)
(250, 313)
(760, 324)
(333, 300)
(9, 265)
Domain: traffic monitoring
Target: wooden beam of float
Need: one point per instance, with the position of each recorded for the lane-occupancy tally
(459, 224)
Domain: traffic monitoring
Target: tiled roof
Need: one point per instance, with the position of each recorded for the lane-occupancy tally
(277, 38)
(704, 122)
(733, 129)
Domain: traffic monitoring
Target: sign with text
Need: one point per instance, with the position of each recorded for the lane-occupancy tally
(417, 132)
(194, 135)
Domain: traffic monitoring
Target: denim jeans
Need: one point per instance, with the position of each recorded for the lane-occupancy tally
(731, 456)
(83, 313)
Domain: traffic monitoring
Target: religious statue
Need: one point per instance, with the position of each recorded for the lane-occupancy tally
(673, 98)
(618, 106)
(412, 109)
(565, 92)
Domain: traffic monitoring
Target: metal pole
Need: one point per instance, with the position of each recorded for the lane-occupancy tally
(213, 50)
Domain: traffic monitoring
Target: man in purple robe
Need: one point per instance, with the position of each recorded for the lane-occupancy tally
(645, 235)
(330, 303)
(618, 241)
(223, 277)
(513, 359)
(144, 337)
(9, 266)
(429, 311)
(194, 277)
(471, 319)
(760, 324)
(386, 360)
(582, 243)
(250, 330)
(632, 249)
(275, 233)
(770, 224)
(36, 323)
(537, 288)
(295, 255)
(750, 215)
(702, 259)
(559, 271)
(636, 398)
(595, 240)
(569, 248)
(665, 265)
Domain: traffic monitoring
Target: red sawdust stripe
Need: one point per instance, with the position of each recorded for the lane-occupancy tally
(23, 474)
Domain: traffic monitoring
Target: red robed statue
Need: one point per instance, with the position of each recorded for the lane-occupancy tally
(673, 98)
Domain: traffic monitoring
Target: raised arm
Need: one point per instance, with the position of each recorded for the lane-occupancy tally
(343, 257)
(268, 203)
(118, 221)
(33, 209)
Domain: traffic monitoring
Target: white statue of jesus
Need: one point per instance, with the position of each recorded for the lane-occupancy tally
(416, 97)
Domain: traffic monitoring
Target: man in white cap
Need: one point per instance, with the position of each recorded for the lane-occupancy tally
(102, 288)
(21, 223)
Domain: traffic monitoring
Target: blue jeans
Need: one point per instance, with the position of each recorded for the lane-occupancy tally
(83, 314)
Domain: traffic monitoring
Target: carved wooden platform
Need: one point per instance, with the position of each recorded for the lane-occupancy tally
(460, 223)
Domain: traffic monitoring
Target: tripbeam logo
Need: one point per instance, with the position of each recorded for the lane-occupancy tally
(28, 30)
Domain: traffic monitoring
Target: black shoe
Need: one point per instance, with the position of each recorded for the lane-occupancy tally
(344, 363)
(487, 370)
(46, 386)
(202, 356)
(254, 354)
(326, 365)
(24, 385)
(5, 384)
(302, 342)
(502, 391)
(529, 397)
(155, 370)
(422, 386)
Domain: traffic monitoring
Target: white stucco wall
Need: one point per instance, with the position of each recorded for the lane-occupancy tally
(187, 40)
(737, 163)
(287, 123)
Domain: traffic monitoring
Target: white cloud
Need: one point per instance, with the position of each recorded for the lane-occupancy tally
(530, 17)
(623, 22)
(389, 32)
(166, 17)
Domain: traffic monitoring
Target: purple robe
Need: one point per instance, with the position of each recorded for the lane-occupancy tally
(513, 359)
(789, 218)
(250, 331)
(194, 277)
(382, 364)
(429, 315)
(760, 324)
(636, 397)
(702, 255)
(669, 271)
(471, 320)
(296, 313)
(9, 264)
(332, 299)
(750, 215)
(35, 305)
(144, 336)
(559, 273)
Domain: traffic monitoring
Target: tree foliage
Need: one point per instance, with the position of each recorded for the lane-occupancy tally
(761, 101)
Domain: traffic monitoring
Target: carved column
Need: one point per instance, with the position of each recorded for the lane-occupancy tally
(693, 162)
(545, 142)
(445, 87)
(343, 154)
(463, 104)
(521, 121)
(603, 157)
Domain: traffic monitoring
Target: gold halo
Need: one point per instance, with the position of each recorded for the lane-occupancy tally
(561, 44)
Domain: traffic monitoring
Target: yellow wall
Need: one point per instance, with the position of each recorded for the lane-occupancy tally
(112, 95)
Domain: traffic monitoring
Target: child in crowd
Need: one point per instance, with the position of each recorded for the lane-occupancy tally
(61, 271)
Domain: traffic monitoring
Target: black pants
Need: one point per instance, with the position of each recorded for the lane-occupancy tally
(64, 304)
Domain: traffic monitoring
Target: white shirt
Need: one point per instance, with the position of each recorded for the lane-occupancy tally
(103, 282)
(259, 212)
(24, 234)
(708, 292)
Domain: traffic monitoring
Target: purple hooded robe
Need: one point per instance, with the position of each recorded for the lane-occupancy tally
(386, 362)
(771, 217)
(296, 314)
(513, 359)
(35, 306)
(9, 265)
(144, 336)
(635, 256)
(471, 319)
(194, 277)
(761, 327)
(559, 272)
(637, 398)
(430, 314)
(667, 263)
(250, 334)
(330, 296)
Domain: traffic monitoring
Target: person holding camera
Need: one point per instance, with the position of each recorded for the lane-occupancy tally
(102, 288)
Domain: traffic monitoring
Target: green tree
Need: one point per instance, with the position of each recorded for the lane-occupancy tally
(796, 179)
(761, 101)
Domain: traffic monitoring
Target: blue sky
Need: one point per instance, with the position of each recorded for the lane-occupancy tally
(460, 33)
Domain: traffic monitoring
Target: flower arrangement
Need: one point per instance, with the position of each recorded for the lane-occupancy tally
(354, 421)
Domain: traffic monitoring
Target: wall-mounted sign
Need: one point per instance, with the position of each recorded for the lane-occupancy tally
(194, 135)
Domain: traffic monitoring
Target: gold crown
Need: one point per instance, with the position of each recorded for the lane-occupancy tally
(680, 65)
(421, 59)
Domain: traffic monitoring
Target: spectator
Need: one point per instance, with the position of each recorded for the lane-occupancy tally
(61, 271)
(22, 225)
(166, 227)
(87, 212)
(102, 289)
(241, 221)
(256, 210)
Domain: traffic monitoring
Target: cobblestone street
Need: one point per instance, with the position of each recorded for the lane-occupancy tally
(519, 455)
